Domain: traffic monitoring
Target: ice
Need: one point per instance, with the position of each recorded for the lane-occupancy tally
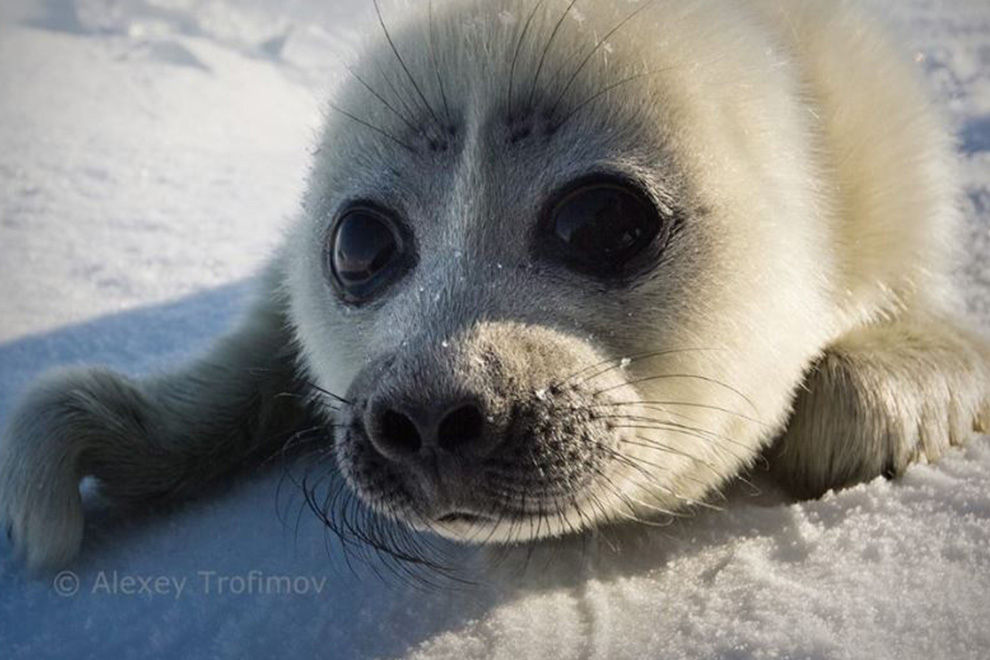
(150, 154)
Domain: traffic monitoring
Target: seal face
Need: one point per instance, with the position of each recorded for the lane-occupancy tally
(545, 262)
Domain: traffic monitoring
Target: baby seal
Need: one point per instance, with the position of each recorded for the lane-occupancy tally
(565, 264)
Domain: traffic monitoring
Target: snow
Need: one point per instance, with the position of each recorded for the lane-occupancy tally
(151, 151)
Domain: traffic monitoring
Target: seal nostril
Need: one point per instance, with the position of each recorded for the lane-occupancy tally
(397, 433)
(461, 427)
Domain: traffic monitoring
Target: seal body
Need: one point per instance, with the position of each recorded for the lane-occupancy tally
(568, 264)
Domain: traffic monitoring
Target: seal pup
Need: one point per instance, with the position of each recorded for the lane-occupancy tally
(565, 264)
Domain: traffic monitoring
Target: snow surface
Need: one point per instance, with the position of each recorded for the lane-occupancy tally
(150, 152)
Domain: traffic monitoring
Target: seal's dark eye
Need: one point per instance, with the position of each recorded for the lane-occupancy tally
(365, 248)
(600, 227)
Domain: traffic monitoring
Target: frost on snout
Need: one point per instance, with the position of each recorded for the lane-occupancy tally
(502, 433)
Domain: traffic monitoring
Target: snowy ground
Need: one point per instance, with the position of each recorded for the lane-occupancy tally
(150, 151)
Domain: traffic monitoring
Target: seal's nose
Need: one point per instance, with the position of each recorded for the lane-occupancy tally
(402, 431)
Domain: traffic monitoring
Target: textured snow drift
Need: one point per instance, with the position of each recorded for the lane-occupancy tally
(150, 151)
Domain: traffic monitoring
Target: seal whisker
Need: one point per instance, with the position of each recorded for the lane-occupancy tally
(633, 514)
(610, 364)
(634, 463)
(401, 99)
(381, 131)
(661, 407)
(688, 431)
(402, 63)
(650, 479)
(651, 443)
(647, 379)
(436, 66)
(647, 443)
(402, 116)
(518, 48)
(546, 49)
(587, 58)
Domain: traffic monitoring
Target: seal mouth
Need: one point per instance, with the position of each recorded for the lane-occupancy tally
(461, 517)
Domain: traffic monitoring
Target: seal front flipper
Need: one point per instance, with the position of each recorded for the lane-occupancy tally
(161, 438)
(881, 398)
